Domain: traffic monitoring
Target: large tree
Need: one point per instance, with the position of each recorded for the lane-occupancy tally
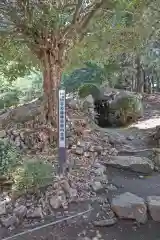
(50, 28)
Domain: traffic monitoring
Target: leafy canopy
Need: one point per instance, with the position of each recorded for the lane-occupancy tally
(38, 23)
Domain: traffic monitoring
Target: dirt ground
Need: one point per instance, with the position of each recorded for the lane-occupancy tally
(82, 228)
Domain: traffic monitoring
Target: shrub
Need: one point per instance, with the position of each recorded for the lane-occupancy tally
(88, 89)
(32, 174)
(9, 99)
(9, 158)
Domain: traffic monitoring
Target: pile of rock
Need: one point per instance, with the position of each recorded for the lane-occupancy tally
(54, 200)
(82, 140)
(85, 147)
(33, 208)
(31, 134)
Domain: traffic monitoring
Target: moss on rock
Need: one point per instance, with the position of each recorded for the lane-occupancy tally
(127, 108)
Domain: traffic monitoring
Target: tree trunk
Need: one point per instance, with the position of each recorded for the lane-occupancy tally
(52, 72)
(139, 79)
(151, 86)
(145, 81)
(157, 82)
(134, 84)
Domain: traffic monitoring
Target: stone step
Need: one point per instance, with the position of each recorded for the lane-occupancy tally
(133, 163)
(130, 206)
(137, 152)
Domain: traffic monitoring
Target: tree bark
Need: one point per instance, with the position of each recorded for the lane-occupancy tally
(151, 84)
(52, 72)
(132, 83)
(51, 81)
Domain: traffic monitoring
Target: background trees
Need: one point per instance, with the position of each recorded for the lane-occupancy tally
(49, 29)
(119, 46)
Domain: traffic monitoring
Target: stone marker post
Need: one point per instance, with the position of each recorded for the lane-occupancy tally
(62, 130)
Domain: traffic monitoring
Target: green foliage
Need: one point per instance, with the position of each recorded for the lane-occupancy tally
(9, 99)
(25, 173)
(15, 59)
(128, 107)
(20, 91)
(129, 104)
(30, 87)
(88, 89)
(32, 174)
(91, 73)
(9, 158)
(125, 26)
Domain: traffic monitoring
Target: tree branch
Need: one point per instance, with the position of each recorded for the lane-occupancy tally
(80, 26)
(77, 12)
(86, 19)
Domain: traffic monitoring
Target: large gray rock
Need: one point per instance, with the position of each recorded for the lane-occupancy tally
(154, 207)
(124, 107)
(136, 164)
(130, 206)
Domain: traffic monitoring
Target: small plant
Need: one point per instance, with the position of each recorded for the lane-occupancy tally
(32, 174)
(9, 158)
(88, 89)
